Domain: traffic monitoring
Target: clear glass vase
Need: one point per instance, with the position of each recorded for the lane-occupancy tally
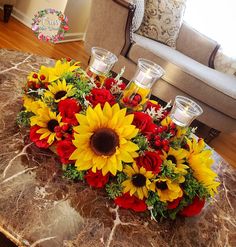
(184, 111)
(101, 62)
(138, 90)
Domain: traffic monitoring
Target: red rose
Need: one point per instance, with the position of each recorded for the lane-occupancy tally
(96, 180)
(100, 95)
(68, 108)
(64, 149)
(131, 202)
(193, 209)
(109, 82)
(174, 204)
(144, 122)
(151, 161)
(34, 137)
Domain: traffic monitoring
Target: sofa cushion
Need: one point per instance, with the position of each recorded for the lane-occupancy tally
(162, 20)
(201, 82)
(189, 42)
(138, 14)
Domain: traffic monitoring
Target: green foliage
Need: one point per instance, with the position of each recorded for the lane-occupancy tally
(168, 170)
(158, 208)
(82, 88)
(141, 141)
(176, 144)
(114, 189)
(70, 172)
(23, 118)
(193, 188)
(49, 101)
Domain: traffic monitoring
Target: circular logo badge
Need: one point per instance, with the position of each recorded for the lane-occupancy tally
(50, 25)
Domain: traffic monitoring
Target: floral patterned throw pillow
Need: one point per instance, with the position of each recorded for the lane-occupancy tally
(162, 20)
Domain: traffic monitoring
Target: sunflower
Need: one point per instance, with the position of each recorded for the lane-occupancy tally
(59, 90)
(103, 139)
(138, 181)
(177, 157)
(166, 189)
(32, 105)
(200, 161)
(166, 122)
(47, 120)
(60, 68)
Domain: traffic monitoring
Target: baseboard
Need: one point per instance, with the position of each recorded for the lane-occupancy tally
(21, 17)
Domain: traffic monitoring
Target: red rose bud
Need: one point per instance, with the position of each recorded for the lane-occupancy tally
(137, 98)
(160, 129)
(64, 149)
(57, 129)
(35, 76)
(151, 161)
(68, 108)
(109, 82)
(42, 77)
(165, 142)
(166, 148)
(193, 209)
(96, 179)
(59, 135)
(68, 59)
(65, 127)
(174, 204)
(34, 137)
(131, 202)
(100, 95)
(158, 143)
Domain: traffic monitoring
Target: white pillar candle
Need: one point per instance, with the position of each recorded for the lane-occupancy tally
(99, 65)
(143, 78)
(181, 115)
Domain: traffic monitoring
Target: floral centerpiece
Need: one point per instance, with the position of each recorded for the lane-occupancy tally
(142, 159)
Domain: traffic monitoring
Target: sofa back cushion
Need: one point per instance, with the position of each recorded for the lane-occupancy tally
(162, 20)
(138, 14)
(195, 45)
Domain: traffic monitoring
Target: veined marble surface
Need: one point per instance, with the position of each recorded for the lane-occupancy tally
(39, 208)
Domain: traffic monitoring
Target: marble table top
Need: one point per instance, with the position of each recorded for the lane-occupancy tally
(40, 208)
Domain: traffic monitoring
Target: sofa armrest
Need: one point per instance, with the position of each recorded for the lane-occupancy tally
(196, 45)
(109, 25)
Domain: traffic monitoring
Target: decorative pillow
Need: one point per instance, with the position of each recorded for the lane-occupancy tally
(162, 20)
(138, 14)
(225, 63)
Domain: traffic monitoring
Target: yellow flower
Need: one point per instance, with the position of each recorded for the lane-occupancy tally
(47, 120)
(138, 181)
(59, 90)
(60, 69)
(200, 161)
(181, 131)
(103, 139)
(177, 157)
(166, 189)
(166, 122)
(32, 105)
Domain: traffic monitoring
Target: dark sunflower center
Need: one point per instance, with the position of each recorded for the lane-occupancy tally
(52, 124)
(161, 185)
(104, 142)
(172, 158)
(138, 180)
(60, 94)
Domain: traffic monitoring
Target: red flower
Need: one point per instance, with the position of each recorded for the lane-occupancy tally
(34, 137)
(151, 161)
(144, 122)
(64, 149)
(150, 105)
(174, 204)
(96, 180)
(109, 82)
(100, 95)
(193, 209)
(68, 108)
(131, 202)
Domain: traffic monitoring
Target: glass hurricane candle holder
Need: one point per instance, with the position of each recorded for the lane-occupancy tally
(101, 63)
(138, 90)
(184, 111)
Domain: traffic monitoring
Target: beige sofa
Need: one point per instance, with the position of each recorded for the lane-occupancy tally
(189, 68)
